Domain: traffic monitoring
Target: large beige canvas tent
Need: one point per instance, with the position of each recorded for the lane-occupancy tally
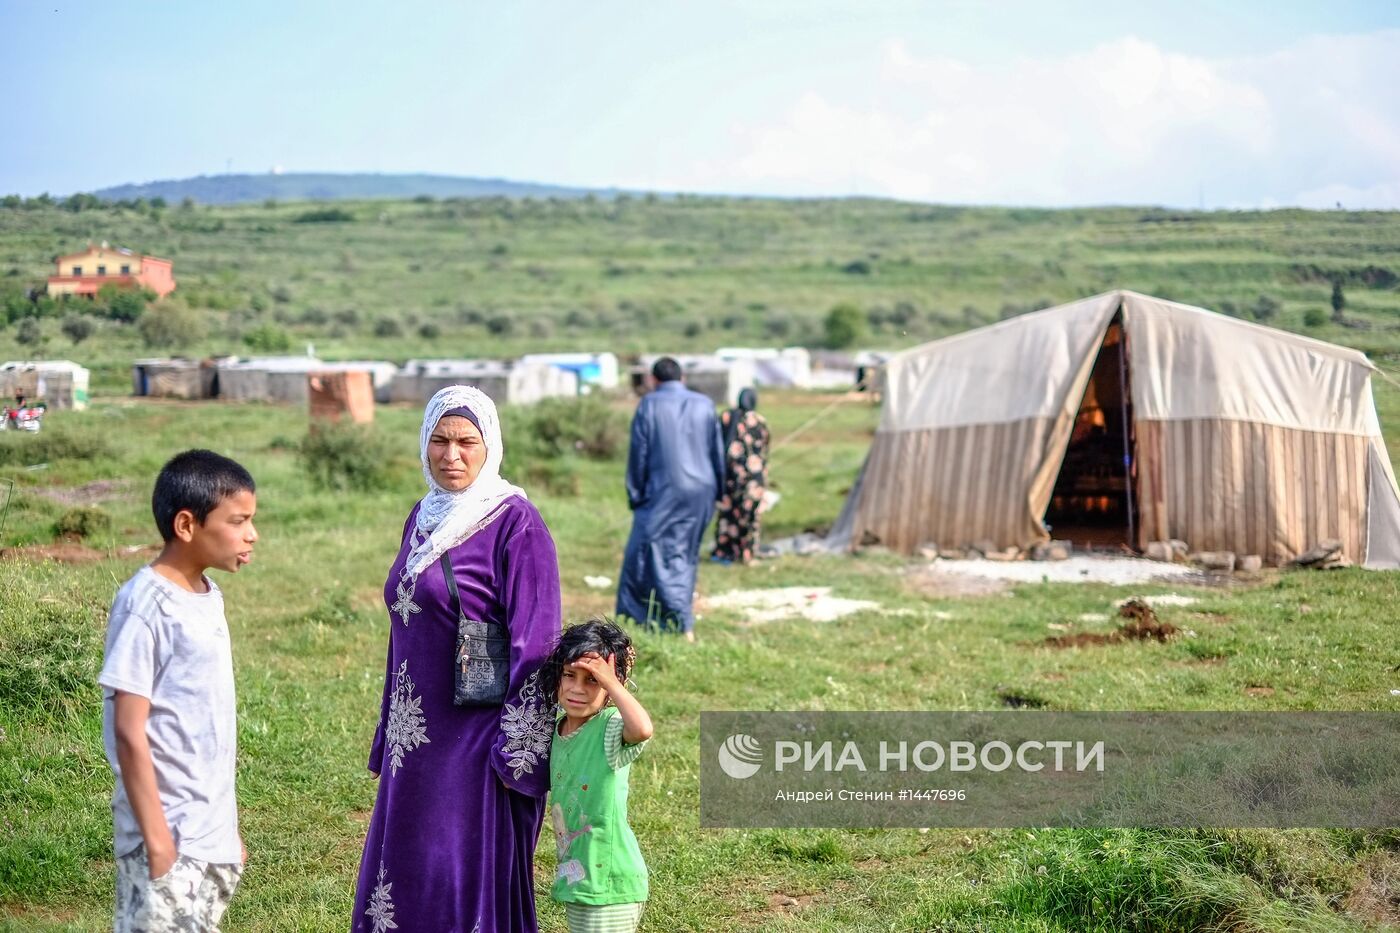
(1130, 419)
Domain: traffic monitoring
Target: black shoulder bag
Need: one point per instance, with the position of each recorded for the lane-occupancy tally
(481, 665)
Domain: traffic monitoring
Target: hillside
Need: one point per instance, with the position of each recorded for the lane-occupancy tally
(325, 186)
(497, 277)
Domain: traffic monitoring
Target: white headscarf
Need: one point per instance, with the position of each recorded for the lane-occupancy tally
(446, 519)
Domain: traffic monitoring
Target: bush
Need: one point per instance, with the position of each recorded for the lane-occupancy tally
(268, 338)
(346, 456)
(500, 325)
(53, 444)
(29, 332)
(1264, 308)
(85, 521)
(171, 325)
(857, 267)
(326, 215)
(430, 331)
(388, 327)
(844, 326)
(77, 327)
(558, 427)
(1314, 317)
(122, 304)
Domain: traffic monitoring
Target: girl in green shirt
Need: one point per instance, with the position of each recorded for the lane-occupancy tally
(601, 879)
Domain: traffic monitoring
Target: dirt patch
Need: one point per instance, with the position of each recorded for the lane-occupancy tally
(86, 494)
(936, 584)
(1377, 896)
(789, 902)
(1142, 625)
(71, 552)
(1258, 690)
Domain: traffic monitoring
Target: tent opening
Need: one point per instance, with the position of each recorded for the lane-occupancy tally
(1093, 502)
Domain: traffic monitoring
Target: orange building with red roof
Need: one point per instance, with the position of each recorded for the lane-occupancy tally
(86, 272)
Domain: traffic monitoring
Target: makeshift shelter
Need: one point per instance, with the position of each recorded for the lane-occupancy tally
(790, 367)
(519, 383)
(174, 378)
(593, 370)
(60, 384)
(338, 395)
(721, 380)
(1135, 419)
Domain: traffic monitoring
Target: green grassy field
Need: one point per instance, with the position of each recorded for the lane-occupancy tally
(493, 277)
(309, 630)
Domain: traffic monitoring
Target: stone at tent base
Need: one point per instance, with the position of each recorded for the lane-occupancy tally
(1181, 551)
(1052, 550)
(1223, 561)
(1009, 554)
(1250, 563)
(952, 553)
(1324, 553)
(928, 551)
(1160, 550)
(983, 548)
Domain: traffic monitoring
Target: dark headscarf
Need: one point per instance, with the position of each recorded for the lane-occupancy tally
(748, 401)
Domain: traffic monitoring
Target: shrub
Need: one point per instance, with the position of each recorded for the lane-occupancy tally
(1314, 317)
(29, 332)
(346, 456)
(843, 326)
(85, 521)
(857, 267)
(500, 325)
(171, 325)
(77, 327)
(267, 338)
(1264, 308)
(325, 215)
(122, 304)
(388, 327)
(430, 331)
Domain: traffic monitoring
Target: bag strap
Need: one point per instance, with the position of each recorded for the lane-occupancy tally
(445, 562)
(451, 579)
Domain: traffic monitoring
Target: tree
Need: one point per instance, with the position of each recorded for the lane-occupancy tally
(844, 325)
(77, 327)
(29, 333)
(1339, 301)
(170, 325)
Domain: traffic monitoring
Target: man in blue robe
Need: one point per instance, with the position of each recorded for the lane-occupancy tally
(675, 471)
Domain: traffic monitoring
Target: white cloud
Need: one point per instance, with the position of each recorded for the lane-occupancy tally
(1126, 122)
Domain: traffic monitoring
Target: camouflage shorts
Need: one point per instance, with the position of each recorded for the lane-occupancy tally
(190, 898)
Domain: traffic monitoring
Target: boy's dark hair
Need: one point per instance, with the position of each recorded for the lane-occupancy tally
(666, 370)
(599, 636)
(197, 481)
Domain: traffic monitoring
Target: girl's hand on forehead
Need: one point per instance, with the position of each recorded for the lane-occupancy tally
(602, 669)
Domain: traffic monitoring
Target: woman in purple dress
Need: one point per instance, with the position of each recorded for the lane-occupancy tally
(461, 788)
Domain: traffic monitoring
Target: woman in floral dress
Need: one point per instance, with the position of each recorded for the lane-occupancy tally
(461, 791)
(746, 452)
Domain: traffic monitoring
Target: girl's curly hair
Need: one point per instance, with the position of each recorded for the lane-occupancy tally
(598, 636)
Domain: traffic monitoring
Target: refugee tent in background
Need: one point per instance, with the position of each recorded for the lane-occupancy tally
(790, 367)
(721, 380)
(518, 383)
(284, 378)
(60, 384)
(174, 378)
(593, 370)
(1125, 418)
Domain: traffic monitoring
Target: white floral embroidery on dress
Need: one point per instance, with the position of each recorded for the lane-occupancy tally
(407, 727)
(527, 726)
(405, 606)
(381, 905)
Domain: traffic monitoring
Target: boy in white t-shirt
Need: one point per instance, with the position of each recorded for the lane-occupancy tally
(168, 715)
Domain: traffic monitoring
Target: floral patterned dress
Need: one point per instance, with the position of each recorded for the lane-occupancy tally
(736, 532)
(461, 789)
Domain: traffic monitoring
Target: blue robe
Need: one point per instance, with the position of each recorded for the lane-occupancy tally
(675, 470)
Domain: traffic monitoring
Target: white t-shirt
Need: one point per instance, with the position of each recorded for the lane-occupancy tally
(172, 647)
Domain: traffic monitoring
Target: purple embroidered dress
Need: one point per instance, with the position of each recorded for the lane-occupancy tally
(461, 789)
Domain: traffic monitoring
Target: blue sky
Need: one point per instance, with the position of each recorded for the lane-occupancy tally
(1237, 104)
